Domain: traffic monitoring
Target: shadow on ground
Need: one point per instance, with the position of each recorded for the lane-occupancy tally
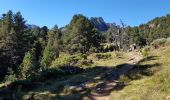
(93, 82)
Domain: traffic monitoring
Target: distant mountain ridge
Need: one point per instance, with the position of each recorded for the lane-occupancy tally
(100, 24)
(31, 26)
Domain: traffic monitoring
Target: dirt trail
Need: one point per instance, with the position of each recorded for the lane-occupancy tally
(105, 89)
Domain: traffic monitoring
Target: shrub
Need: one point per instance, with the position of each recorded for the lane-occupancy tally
(168, 41)
(159, 42)
(49, 54)
(103, 56)
(86, 62)
(11, 77)
(93, 49)
(68, 60)
(29, 65)
(146, 51)
(76, 57)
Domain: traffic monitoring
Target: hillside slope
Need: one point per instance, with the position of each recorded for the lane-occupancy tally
(148, 79)
(152, 84)
(133, 78)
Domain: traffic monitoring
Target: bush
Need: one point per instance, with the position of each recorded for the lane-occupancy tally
(68, 60)
(168, 41)
(158, 42)
(146, 51)
(49, 54)
(76, 58)
(103, 56)
(93, 50)
(86, 62)
(11, 77)
(29, 65)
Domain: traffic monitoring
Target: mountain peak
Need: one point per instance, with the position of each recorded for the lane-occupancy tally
(99, 23)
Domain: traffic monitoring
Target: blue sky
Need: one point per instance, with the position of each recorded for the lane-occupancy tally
(60, 12)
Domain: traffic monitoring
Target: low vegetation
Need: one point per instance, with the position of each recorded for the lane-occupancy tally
(146, 51)
(103, 56)
(158, 42)
(149, 84)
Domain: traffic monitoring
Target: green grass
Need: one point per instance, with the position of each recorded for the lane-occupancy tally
(95, 59)
(111, 61)
(66, 59)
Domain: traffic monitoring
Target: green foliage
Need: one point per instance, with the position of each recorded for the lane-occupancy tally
(86, 62)
(147, 33)
(14, 40)
(51, 51)
(168, 41)
(35, 31)
(53, 73)
(107, 47)
(93, 49)
(161, 42)
(103, 56)
(29, 65)
(81, 35)
(68, 60)
(11, 77)
(38, 47)
(49, 54)
(158, 42)
(146, 51)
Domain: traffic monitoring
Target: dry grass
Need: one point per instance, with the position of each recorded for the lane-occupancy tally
(155, 87)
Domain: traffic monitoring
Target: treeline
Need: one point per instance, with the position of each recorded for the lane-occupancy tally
(144, 34)
(26, 50)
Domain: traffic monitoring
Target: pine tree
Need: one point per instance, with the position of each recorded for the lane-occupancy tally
(14, 40)
(81, 35)
(49, 54)
(51, 50)
(29, 64)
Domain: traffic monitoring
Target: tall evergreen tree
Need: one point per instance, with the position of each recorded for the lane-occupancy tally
(51, 50)
(29, 64)
(49, 54)
(14, 41)
(81, 35)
